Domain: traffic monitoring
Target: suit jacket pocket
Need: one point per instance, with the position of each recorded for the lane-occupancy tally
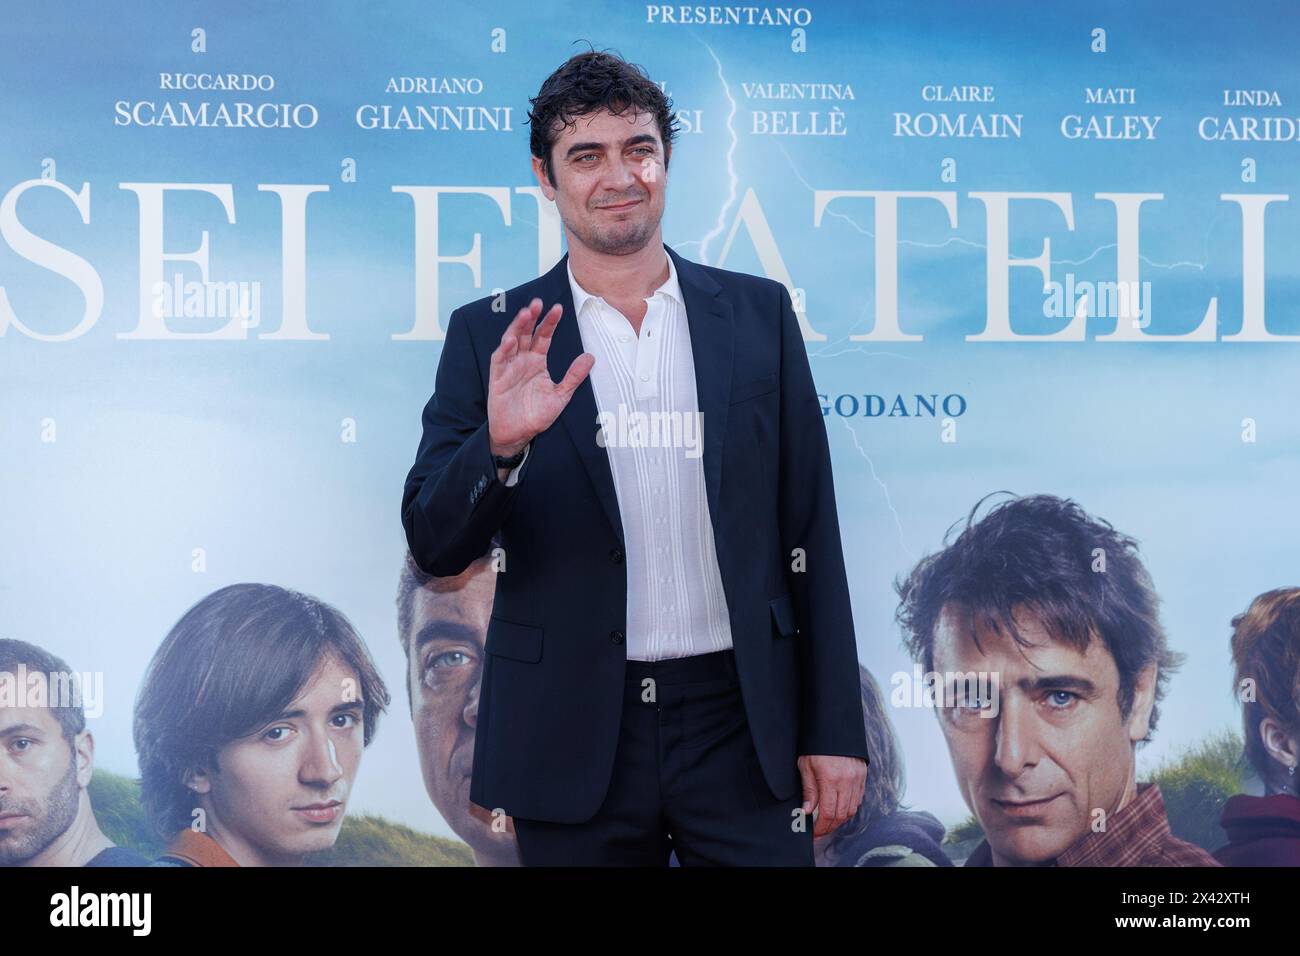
(520, 642)
(783, 616)
(753, 388)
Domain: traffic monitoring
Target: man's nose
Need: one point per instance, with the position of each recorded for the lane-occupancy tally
(624, 178)
(1017, 740)
(471, 704)
(321, 763)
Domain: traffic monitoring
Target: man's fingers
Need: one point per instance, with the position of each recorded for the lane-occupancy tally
(523, 321)
(859, 791)
(833, 803)
(576, 373)
(542, 335)
(516, 339)
(504, 352)
(515, 334)
(827, 810)
(526, 317)
(839, 802)
(809, 781)
(818, 812)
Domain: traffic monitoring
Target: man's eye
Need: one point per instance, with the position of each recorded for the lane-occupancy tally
(276, 734)
(22, 743)
(450, 659)
(344, 720)
(1061, 699)
(964, 697)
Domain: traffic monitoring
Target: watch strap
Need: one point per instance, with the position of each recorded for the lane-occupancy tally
(510, 461)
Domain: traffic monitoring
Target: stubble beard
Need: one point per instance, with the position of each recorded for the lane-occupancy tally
(619, 238)
(59, 812)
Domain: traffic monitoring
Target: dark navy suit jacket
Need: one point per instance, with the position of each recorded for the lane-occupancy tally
(551, 696)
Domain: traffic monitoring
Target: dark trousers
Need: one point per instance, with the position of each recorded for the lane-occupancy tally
(686, 779)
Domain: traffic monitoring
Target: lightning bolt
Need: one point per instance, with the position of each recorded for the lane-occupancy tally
(731, 155)
(889, 503)
(958, 240)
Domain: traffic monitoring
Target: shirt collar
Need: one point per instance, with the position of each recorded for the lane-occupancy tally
(670, 287)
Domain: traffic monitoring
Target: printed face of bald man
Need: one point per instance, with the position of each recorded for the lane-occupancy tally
(445, 666)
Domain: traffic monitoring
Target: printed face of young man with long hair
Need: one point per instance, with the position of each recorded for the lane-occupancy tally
(280, 792)
(445, 668)
(611, 177)
(41, 782)
(1058, 749)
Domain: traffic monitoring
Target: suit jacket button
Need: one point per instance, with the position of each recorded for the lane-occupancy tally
(616, 556)
(616, 637)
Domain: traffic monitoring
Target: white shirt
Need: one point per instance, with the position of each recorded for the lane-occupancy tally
(676, 606)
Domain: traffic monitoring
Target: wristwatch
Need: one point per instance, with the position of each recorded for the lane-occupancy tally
(512, 461)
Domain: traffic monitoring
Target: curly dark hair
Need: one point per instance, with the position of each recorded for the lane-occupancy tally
(1037, 554)
(588, 83)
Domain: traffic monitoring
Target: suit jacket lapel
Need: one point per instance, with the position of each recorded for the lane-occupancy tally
(708, 314)
(709, 318)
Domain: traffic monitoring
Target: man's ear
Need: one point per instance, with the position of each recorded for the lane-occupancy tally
(83, 752)
(1144, 699)
(197, 779)
(547, 189)
(1281, 746)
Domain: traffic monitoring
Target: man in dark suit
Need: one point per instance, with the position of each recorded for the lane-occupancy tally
(670, 661)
